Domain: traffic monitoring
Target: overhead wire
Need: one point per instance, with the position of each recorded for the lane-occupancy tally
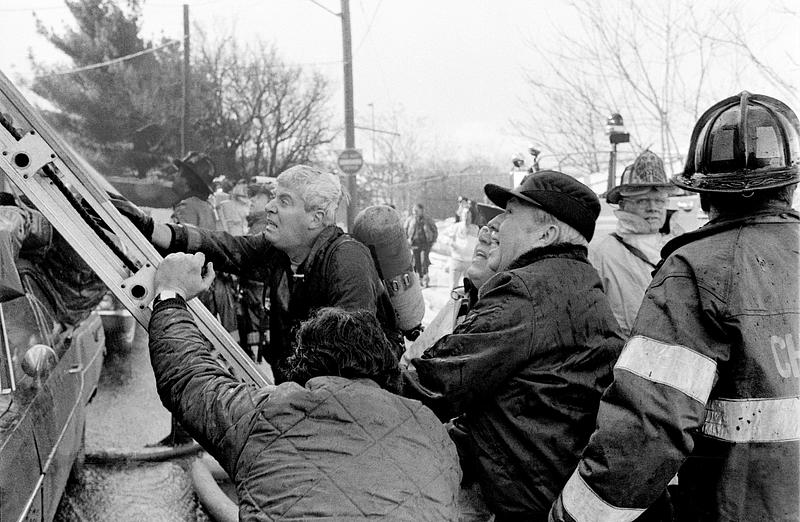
(110, 62)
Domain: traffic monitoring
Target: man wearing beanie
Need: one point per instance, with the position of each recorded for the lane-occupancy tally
(529, 363)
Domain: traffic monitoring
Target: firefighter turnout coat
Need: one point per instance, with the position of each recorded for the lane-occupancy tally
(712, 373)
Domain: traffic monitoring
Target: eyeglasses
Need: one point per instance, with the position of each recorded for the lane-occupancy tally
(647, 202)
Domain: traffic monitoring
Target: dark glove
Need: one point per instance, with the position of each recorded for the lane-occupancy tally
(135, 215)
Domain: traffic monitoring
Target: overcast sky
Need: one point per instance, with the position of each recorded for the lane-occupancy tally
(457, 64)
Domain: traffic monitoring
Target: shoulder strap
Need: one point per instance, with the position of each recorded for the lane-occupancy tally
(632, 249)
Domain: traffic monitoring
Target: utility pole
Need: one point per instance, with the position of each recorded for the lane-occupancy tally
(186, 76)
(349, 119)
(372, 106)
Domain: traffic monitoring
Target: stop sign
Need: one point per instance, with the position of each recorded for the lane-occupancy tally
(350, 161)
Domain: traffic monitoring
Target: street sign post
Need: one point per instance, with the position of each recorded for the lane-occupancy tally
(350, 161)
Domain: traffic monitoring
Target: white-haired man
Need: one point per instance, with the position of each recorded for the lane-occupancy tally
(305, 259)
(528, 364)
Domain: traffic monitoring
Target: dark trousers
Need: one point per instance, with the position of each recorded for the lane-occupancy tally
(421, 260)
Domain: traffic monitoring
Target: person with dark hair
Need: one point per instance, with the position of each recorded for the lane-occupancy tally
(421, 233)
(333, 442)
(527, 366)
(708, 385)
(347, 344)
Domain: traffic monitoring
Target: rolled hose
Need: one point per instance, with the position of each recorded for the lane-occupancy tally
(216, 503)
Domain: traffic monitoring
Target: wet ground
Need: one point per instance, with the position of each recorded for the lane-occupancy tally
(124, 416)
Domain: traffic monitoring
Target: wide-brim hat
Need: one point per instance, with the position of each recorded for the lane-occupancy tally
(561, 196)
(199, 165)
(645, 174)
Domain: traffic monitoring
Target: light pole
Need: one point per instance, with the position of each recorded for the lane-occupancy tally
(615, 129)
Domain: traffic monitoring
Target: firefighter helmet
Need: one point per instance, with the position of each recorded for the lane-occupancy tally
(645, 174)
(744, 143)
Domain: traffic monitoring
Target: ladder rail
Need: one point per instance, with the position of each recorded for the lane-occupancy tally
(44, 168)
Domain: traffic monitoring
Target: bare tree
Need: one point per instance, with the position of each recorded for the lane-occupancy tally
(657, 63)
(260, 115)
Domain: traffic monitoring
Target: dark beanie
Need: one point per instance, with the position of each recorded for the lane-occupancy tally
(561, 196)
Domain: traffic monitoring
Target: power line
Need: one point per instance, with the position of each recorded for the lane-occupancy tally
(369, 26)
(334, 13)
(111, 62)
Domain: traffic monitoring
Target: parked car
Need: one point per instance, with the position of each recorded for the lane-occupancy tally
(49, 371)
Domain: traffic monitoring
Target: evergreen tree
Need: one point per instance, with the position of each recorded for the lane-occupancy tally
(124, 116)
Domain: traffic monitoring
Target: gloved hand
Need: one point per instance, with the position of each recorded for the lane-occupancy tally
(135, 215)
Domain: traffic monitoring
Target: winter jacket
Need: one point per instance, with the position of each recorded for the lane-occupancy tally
(337, 448)
(527, 367)
(711, 373)
(421, 231)
(338, 271)
(625, 276)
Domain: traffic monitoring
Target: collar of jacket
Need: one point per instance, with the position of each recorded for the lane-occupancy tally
(470, 291)
(630, 223)
(767, 215)
(562, 250)
(328, 234)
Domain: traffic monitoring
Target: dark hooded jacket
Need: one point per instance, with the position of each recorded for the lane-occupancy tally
(527, 368)
(339, 271)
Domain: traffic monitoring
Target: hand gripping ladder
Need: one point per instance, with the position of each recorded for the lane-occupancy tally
(44, 167)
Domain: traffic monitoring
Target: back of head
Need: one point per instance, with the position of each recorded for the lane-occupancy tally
(744, 154)
(320, 190)
(346, 344)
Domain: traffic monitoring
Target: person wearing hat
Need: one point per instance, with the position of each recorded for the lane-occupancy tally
(708, 385)
(527, 366)
(193, 184)
(626, 257)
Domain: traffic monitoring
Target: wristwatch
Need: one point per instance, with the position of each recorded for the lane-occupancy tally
(166, 294)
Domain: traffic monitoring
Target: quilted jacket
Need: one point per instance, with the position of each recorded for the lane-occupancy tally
(337, 448)
(526, 368)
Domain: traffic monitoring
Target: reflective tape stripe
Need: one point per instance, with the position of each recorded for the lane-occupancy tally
(583, 504)
(671, 364)
(753, 420)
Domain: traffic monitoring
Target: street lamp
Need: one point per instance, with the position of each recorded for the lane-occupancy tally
(615, 129)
